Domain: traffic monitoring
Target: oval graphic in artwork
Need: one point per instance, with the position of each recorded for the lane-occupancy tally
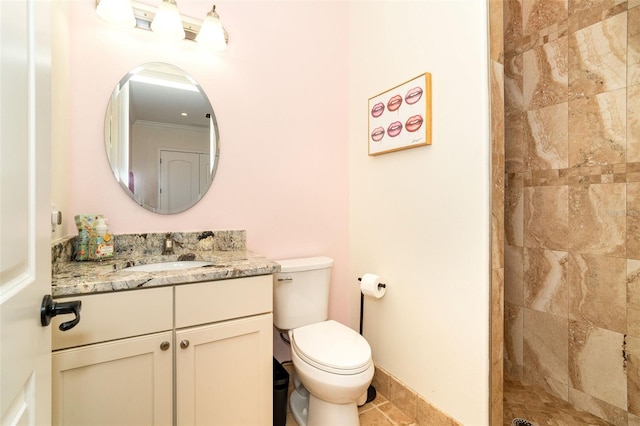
(394, 103)
(413, 95)
(377, 110)
(377, 134)
(394, 129)
(414, 123)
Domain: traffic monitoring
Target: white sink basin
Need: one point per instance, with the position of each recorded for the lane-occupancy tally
(168, 266)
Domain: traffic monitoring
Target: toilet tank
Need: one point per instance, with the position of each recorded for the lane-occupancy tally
(301, 292)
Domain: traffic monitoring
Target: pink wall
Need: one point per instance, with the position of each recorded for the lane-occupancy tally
(279, 93)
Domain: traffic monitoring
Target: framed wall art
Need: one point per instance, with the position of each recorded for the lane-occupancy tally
(400, 118)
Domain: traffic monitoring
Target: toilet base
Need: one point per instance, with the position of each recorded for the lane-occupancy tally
(322, 413)
(299, 407)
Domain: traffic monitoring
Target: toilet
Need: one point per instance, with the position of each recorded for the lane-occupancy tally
(332, 363)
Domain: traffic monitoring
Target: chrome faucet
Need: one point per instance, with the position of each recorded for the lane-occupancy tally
(167, 245)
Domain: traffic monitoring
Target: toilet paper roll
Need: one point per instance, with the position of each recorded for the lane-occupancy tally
(370, 286)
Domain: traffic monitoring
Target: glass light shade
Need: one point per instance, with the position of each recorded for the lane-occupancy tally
(167, 21)
(211, 33)
(117, 12)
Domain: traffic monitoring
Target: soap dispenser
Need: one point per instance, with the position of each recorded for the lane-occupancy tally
(104, 241)
(101, 227)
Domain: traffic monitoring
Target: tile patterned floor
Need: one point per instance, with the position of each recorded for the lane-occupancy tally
(541, 408)
(520, 401)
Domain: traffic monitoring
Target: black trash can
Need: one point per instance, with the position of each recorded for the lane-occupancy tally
(280, 391)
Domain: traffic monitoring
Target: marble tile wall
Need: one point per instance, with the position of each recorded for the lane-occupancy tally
(572, 201)
(497, 80)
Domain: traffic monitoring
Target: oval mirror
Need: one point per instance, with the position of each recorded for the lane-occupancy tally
(161, 138)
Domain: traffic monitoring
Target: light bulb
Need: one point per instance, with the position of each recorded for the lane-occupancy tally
(212, 33)
(118, 12)
(167, 21)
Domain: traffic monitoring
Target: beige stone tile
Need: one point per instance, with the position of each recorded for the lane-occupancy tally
(596, 363)
(496, 28)
(597, 129)
(633, 297)
(513, 341)
(584, 13)
(632, 351)
(633, 220)
(545, 346)
(496, 355)
(545, 217)
(610, 413)
(514, 219)
(397, 416)
(633, 46)
(633, 420)
(512, 23)
(542, 408)
(554, 387)
(498, 164)
(514, 144)
(598, 291)
(546, 288)
(375, 417)
(402, 397)
(597, 223)
(428, 415)
(546, 138)
(597, 57)
(513, 100)
(381, 381)
(514, 275)
(633, 3)
(633, 122)
(545, 75)
(540, 14)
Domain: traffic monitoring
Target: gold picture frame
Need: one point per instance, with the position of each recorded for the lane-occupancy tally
(400, 118)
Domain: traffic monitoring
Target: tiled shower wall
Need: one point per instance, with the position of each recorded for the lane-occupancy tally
(572, 201)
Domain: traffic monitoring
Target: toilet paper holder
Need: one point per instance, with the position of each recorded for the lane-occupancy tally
(371, 390)
(380, 285)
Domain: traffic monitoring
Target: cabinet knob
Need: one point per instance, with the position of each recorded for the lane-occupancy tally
(184, 344)
(165, 345)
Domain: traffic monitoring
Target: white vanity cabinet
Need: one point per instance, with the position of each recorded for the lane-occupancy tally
(124, 382)
(203, 348)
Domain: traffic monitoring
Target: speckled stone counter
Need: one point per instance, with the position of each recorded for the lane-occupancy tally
(225, 249)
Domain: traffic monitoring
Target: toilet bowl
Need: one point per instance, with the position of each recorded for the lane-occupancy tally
(332, 363)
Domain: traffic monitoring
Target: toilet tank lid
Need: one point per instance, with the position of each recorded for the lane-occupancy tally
(305, 264)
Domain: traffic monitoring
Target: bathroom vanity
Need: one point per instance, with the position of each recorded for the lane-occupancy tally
(185, 347)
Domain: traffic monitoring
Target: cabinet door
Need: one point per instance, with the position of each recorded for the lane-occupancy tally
(125, 382)
(224, 373)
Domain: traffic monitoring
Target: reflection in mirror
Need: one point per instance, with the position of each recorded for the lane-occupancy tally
(161, 138)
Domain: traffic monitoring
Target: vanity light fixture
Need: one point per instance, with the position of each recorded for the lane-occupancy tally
(167, 21)
(118, 12)
(209, 32)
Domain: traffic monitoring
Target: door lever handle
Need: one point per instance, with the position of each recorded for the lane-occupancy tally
(50, 309)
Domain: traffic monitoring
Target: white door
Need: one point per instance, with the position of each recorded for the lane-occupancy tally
(179, 180)
(25, 240)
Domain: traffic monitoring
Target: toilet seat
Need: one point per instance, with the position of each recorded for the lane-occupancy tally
(332, 347)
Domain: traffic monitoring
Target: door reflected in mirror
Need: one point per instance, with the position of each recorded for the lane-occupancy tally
(161, 138)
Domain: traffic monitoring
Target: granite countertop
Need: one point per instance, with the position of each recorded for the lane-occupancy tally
(77, 278)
